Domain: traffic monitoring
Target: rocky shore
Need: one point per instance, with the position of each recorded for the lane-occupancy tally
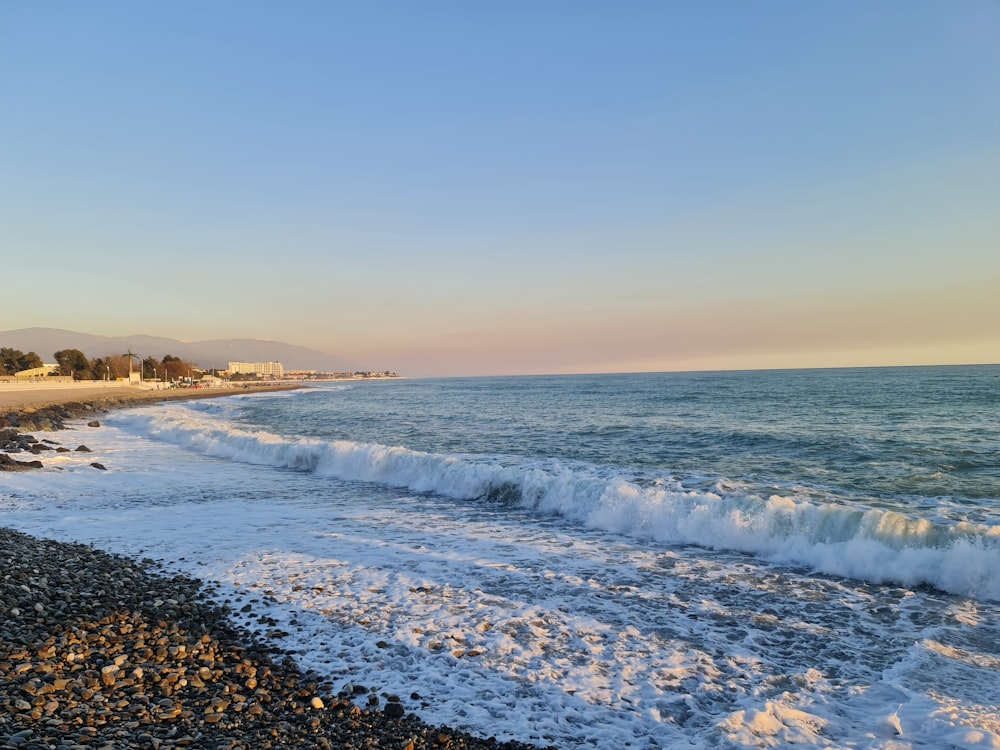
(18, 421)
(49, 408)
(103, 651)
(100, 651)
(49, 417)
(17, 427)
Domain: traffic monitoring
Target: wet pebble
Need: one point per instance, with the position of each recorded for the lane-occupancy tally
(98, 650)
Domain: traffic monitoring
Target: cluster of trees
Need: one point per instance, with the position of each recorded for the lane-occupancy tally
(14, 360)
(74, 362)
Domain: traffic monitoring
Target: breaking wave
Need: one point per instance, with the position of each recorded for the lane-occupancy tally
(837, 538)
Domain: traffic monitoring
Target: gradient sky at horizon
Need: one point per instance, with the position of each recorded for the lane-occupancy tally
(449, 188)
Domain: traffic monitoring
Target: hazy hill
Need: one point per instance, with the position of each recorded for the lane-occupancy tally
(205, 354)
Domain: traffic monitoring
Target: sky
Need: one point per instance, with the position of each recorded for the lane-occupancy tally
(454, 188)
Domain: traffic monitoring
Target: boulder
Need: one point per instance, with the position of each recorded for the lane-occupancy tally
(9, 464)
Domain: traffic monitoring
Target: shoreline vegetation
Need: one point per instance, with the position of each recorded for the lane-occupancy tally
(104, 651)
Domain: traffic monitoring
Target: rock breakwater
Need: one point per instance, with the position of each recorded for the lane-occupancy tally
(49, 417)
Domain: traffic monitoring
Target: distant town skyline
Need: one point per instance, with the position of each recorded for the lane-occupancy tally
(455, 189)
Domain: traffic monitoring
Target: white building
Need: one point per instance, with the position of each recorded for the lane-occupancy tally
(261, 369)
(37, 372)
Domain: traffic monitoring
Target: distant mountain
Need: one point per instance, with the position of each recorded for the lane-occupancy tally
(205, 354)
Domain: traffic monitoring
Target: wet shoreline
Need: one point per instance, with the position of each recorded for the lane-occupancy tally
(102, 651)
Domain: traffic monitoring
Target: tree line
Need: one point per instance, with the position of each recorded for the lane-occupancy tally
(75, 363)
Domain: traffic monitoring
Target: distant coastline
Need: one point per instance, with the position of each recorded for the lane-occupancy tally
(209, 354)
(85, 396)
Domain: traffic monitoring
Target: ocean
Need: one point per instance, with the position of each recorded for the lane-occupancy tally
(671, 560)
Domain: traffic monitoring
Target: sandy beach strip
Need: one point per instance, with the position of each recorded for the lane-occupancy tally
(28, 397)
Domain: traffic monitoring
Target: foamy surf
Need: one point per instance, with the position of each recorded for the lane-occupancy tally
(869, 544)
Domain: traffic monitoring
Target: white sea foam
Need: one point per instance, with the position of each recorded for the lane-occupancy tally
(871, 544)
(515, 623)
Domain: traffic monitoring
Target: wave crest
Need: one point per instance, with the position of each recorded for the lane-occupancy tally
(870, 544)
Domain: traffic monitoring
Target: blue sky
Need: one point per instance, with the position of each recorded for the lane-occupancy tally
(475, 188)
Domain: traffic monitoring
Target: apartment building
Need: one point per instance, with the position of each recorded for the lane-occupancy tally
(261, 369)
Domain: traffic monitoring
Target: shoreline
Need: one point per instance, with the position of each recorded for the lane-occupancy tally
(99, 650)
(43, 408)
(105, 651)
(31, 397)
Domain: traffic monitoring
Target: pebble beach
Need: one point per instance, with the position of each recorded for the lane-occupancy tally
(103, 651)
